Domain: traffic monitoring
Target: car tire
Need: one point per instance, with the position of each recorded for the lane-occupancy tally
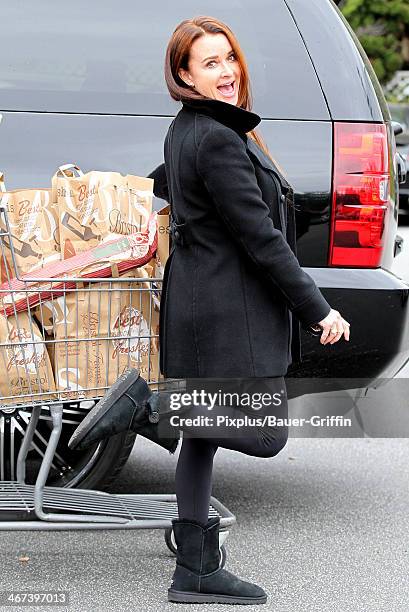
(112, 459)
(96, 467)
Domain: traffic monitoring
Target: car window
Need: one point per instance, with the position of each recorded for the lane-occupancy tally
(107, 57)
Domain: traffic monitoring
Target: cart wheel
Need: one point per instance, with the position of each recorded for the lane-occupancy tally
(223, 555)
(171, 544)
(170, 540)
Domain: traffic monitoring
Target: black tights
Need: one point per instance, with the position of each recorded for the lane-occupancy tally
(195, 463)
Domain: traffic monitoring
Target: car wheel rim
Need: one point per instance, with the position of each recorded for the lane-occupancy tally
(68, 467)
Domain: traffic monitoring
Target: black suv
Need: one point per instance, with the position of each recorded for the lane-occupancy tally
(84, 83)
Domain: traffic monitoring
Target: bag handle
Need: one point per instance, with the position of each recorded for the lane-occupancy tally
(4, 198)
(100, 265)
(2, 183)
(62, 170)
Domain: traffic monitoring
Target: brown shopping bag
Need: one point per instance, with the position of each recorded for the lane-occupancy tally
(33, 227)
(102, 330)
(98, 206)
(162, 252)
(127, 201)
(53, 313)
(122, 254)
(24, 361)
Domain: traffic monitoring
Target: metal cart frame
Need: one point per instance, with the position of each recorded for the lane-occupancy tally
(39, 507)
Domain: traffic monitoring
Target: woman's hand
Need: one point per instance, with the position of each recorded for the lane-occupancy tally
(333, 326)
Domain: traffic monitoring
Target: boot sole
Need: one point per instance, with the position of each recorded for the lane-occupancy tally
(191, 597)
(120, 386)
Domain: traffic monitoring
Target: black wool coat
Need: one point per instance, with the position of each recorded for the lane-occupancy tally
(233, 293)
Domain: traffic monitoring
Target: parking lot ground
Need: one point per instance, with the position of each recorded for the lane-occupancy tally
(322, 526)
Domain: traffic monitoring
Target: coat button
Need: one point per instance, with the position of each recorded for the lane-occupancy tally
(177, 235)
(282, 197)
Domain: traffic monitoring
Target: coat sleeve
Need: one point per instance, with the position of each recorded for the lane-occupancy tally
(230, 179)
(160, 185)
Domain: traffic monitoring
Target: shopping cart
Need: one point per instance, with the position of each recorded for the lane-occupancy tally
(60, 345)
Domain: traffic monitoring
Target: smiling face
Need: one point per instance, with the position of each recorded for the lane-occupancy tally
(213, 68)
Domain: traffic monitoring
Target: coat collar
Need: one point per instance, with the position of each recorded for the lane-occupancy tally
(240, 120)
(232, 116)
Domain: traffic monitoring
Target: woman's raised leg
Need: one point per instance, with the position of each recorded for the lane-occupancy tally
(195, 463)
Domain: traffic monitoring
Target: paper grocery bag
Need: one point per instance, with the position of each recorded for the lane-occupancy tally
(102, 330)
(162, 252)
(33, 227)
(127, 201)
(98, 206)
(107, 259)
(53, 313)
(24, 361)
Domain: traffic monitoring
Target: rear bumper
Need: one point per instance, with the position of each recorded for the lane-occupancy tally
(376, 304)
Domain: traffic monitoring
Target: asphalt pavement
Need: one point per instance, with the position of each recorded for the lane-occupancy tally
(323, 526)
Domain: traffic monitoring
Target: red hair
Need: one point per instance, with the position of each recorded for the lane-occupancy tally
(177, 57)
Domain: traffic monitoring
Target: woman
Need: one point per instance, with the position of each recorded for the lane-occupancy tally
(231, 288)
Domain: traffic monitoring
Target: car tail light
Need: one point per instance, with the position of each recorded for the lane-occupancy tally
(360, 195)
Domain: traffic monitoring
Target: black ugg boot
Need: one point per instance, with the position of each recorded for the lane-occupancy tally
(128, 404)
(198, 577)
